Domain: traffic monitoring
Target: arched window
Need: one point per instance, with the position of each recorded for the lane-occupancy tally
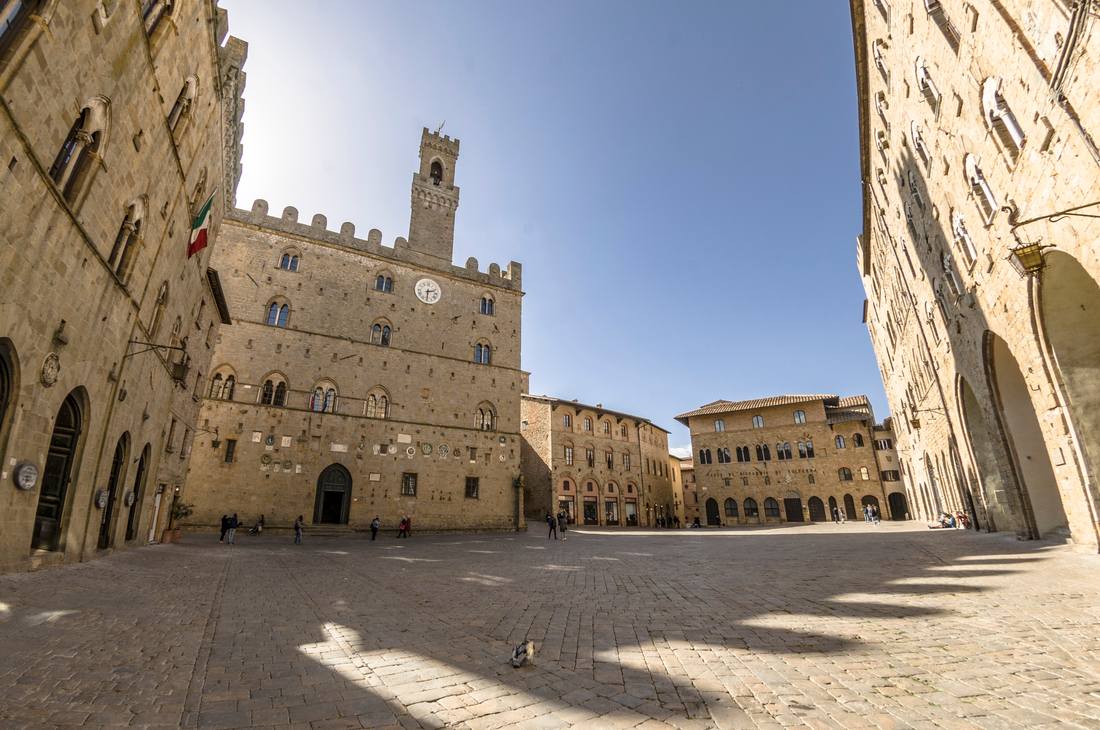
(864, 473)
(801, 450)
(731, 507)
(380, 335)
(377, 405)
(128, 240)
(230, 386)
(779, 452)
(158, 313)
(1001, 119)
(800, 416)
(289, 261)
(216, 385)
(758, 422)
(921, 148)
(14, 21)
(154, 11)
(317, 400)
(880, 60)
(268, 393)
(280, 395)
(845, 474)
(384, 283)
(184, 102)
(926, 87)
(787, 450)
(809, 449)
(486, 305)
(751, 509)
(857, 439)
(75, 164)
(759, 452)
(839, 442)
(482, 354)
(726, 451)
(709, 460)
(767, 453)
(771, 507)
(277, 314)
(983, 194)
(484, 419)
(719, 425)
(436, 172)
(721, 457)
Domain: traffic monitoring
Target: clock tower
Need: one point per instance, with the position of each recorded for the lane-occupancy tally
(434, 197)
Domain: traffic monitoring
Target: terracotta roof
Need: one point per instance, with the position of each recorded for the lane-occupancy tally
(855, 400)
(600, 410)
(725, 406)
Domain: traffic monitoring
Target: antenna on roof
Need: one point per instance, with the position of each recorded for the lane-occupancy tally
(441, 127)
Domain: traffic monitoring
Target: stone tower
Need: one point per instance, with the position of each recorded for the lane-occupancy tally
(434, 197)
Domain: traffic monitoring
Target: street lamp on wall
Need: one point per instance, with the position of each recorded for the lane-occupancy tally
(1027, 258)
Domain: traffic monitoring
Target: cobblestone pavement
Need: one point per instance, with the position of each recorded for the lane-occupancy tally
(820, 626)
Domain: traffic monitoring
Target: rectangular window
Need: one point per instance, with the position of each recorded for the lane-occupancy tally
(230, 450)
(647, 466)
(591, 458)
(169, 445)
(567, 421)
(891, 476)
(745, 481)
(408, 484)
(473, 453)
(471, 487)
(610, 460)
(588, 424)
(606, 427)
(569, 456)
(884, 445)
(626, 461)
(185, 444)
(523, 426)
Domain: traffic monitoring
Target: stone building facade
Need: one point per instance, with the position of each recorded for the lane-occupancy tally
(980, 169)
(362, 380)
(823, 459)
(116, 127)
(602, 467)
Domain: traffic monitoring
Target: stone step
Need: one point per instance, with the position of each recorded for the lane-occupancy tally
(1059, 535)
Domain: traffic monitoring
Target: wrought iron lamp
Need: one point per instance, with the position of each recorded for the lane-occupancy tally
(1027, 258)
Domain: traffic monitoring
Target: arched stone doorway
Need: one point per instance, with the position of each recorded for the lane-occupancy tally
(333, 496)
(118, 473)
(1039, 488)
(139, 494)
(792, 506)
(712, 512)
(833, 515)
(849, 507)
(899, 510)
(817, 510)
(985, 457)
(49, 519)
(1070, 305)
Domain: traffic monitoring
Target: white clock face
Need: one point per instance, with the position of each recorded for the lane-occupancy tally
(427, 291)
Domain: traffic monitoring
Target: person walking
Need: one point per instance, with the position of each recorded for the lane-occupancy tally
(836, 515)
(225, 527)
(232, 527)
(374, 528)
(553, 522)
(843, 516)
(874, 514)
(563, 523)
(401, 528)
(677, 519)
(408, 525)
(298, 525)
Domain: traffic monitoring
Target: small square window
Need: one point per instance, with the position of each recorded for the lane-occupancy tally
(471, 487)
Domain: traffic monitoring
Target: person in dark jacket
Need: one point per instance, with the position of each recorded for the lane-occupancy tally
(232, 525)
(225, 526)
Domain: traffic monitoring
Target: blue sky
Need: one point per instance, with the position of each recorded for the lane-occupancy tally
(679, 181)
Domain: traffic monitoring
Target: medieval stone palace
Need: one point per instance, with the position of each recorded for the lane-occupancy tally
(981, 192)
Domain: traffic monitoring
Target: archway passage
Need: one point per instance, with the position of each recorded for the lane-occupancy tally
(1071, 318)
(56, 477)
(712, 512)
(817, 510)
(107, 519)
(849, 507)
(997, 513)
(793, 507)
(899, 510)
(1040, 486)
(833, 509)
(333, 496)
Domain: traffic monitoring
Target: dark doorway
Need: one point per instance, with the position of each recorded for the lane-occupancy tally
(873, 501)
(817, 510)
(849, 507)
(712, 512)
(832, 509)
(56, 477)
(139, 495)
(899, 510)
(793, 508)
(107, 519)
(591, 513)
(333, 496)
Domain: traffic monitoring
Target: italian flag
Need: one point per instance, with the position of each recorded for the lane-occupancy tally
(200, 229)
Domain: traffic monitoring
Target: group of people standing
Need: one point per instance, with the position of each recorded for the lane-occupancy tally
(870, 514)
(556, 522)
(230, 525)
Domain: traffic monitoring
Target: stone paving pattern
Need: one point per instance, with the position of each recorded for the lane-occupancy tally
(819, 626)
